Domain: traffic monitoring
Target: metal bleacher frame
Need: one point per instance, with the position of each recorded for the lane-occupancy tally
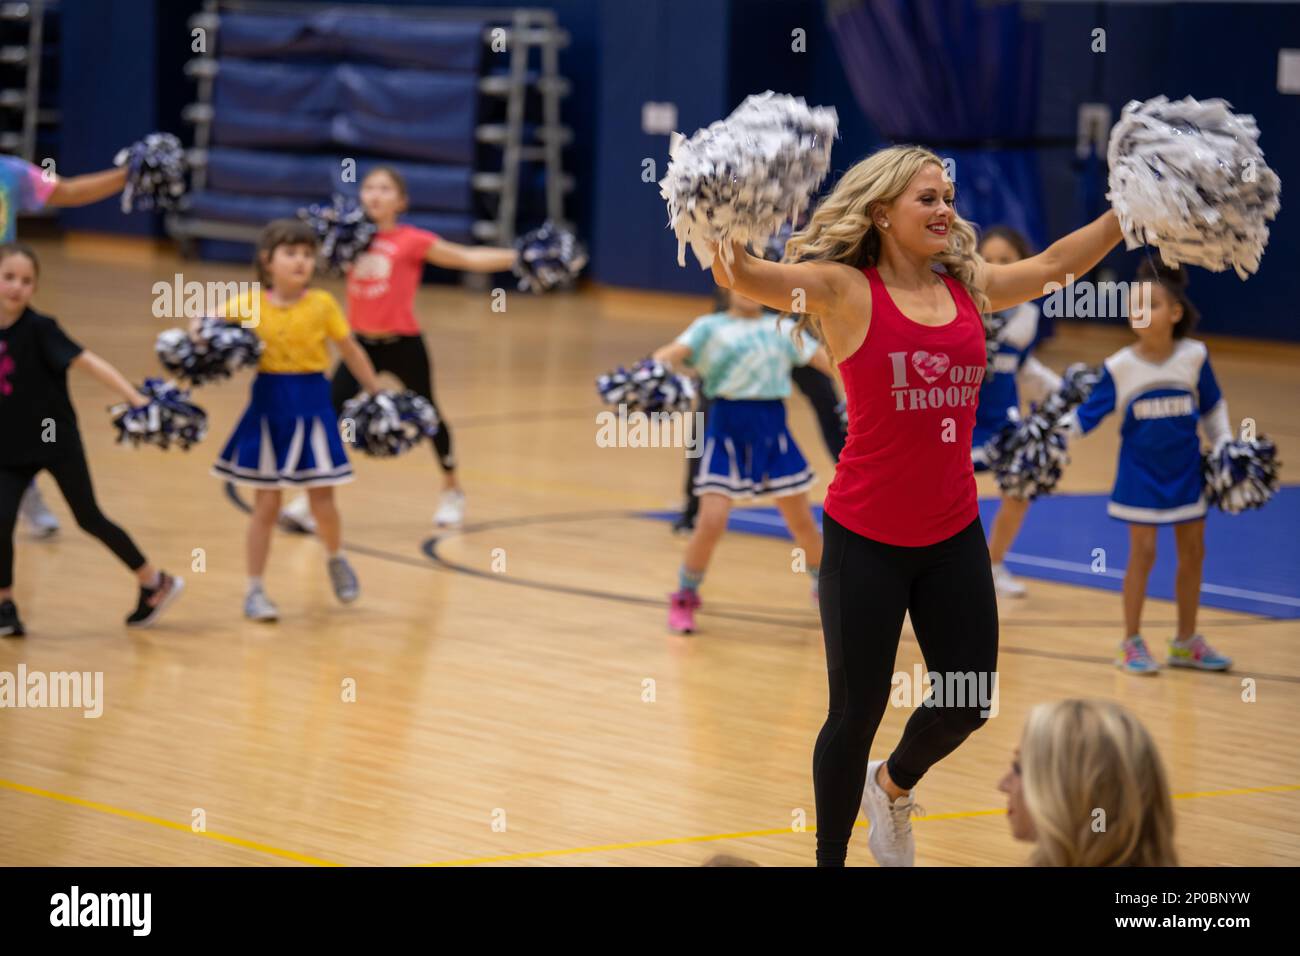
(27, 99)
(525, 29)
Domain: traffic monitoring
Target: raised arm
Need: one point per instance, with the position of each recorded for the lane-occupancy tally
(1062, 262)
(452, 255)
(109, 377)
(88, 188)
(779, 285)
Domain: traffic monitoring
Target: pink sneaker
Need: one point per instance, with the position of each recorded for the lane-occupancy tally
(681, 611)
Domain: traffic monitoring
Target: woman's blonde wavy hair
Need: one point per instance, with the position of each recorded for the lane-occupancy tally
(842, 229)
(1079, 757)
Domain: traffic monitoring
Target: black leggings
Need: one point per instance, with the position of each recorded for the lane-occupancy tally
(865, 589)
(820, 392)
(405, 357)
(73, 477)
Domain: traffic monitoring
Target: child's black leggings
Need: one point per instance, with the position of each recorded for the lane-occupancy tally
(866, 587)
(73, 476)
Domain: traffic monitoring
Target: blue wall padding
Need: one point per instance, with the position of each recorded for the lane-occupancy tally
(312, 106)
(444, 188)
(435, 142)
(324, 90)
(303, 89)
(375, 37)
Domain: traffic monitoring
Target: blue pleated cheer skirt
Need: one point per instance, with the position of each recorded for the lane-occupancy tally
(749, 452)
(288, 436)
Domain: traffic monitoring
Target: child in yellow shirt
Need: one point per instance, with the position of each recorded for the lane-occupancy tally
(288, 437)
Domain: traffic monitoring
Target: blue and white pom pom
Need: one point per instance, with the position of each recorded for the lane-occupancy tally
(649, 387)
(218, 351)
(1029, 456)
(742, 178)
(343, 230)
(388, 423)
(1240, 475)
(169, 419)
(1189, 178)
(156, 170)
(548, 257)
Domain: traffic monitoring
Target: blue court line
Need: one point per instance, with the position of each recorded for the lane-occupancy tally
(1252, 560)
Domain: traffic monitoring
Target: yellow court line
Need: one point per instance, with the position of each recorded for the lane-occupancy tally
(780, 831)
(160, 821)
(539, 854)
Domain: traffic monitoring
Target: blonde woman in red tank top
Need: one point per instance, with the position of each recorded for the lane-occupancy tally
(887, 275)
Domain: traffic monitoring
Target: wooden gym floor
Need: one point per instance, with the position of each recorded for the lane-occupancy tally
(499, 713)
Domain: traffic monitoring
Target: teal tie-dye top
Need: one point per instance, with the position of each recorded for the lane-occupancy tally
(746, 358)
(22, 189)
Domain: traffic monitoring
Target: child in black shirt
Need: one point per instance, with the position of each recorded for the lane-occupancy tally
(38, 431)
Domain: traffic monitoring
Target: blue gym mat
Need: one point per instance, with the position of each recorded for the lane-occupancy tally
(1252, 560)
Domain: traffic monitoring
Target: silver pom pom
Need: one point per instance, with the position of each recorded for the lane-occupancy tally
(1189, 178)
(388, 423)
(1240, 474)
(650, 386)
(744, 177)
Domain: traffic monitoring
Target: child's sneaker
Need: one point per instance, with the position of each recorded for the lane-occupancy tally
(451, 509)
(1005, 583)
(258, 607)
(1196, 652)
(681, 611)
(10, 626)
(296, 518)
(153, 601)
(1135, 658)
(38, 518)
(346, 586)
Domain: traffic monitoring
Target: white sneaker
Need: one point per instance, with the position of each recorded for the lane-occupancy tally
(1006, 583)
(295, 517)
(891, 839)
(451, 508)
(258, 607)
(37, 518)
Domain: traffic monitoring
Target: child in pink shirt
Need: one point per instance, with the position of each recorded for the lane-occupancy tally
(381, 310)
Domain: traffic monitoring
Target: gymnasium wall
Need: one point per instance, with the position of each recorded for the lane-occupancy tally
(1196, 49)
(705, 56)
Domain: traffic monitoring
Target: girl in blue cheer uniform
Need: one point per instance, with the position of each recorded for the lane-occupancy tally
(1014, 371)
(1163, 386)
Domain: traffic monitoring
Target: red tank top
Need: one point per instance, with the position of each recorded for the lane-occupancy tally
(905, 475)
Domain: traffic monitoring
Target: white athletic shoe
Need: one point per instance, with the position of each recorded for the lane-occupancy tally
(37, 518)
(296, 518)
(891, 839)
(1006, 583)
(258, 607)
(451, 509)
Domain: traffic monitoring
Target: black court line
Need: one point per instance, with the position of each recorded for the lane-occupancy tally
(524, 418)
(773, 618)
